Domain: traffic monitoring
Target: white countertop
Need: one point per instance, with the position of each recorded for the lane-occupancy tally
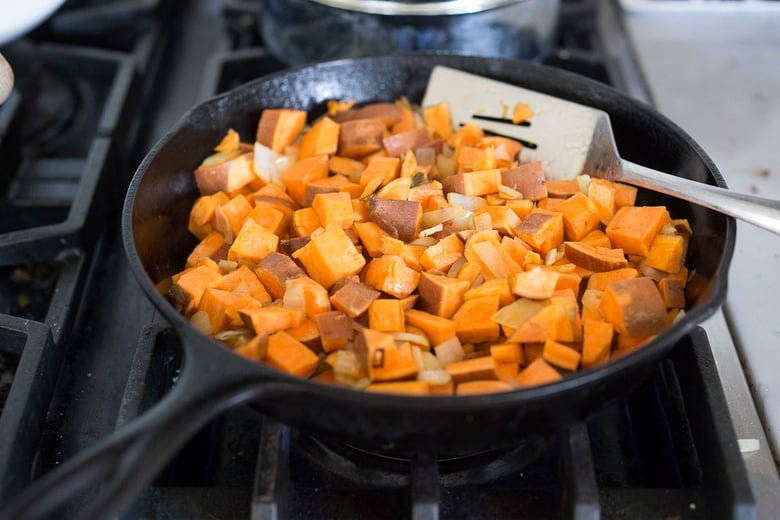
(717, 75)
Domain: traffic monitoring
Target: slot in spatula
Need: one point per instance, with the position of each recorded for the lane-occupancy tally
(572, 139)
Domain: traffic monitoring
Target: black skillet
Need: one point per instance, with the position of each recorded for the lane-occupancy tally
(214, 379)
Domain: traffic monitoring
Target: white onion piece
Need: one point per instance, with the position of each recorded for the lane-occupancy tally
(469, 202)
(269, 164)
(200, 320)
(434, 376)
(507, 192)
(437, 216)
(449, 351)
(431, 230)
(583, 181)
(414, 339)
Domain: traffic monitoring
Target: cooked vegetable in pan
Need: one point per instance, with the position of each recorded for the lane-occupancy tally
(382, 249)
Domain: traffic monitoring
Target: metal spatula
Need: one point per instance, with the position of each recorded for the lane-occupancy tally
(572, 139)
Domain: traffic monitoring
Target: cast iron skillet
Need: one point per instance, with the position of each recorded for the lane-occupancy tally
(213, 379)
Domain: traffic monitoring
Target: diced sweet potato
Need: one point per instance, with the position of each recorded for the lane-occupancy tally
(542, 230)
(472, 369)
(634, 307)
(528, 179)
(603, 193)
(539, 372)
(201, 221)
(212, 246)
(594, 258)
(399, 218)
(441, 295)
(597, 337)
(580, 216)
(353, 298)
(188, 286)
(481, 182)
(473, 323)
(389, 113)
(301, 173)
(289, 355)
(253, 243)
(227, 172)
(561, 356)
(274, 270)
(667, 253)
(439, 119)
(279, 127)
(321, 139)
(360, 137)
(633, 228)
(335, 330)
(383, 359)
(398, 144)
(386, 315)
(391, 275)
(334, 209)
(437, 329)
(329, 256)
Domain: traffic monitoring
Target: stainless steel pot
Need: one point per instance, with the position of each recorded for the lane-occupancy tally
(301, 31)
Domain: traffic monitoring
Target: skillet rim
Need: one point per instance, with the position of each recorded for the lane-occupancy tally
(655, 350)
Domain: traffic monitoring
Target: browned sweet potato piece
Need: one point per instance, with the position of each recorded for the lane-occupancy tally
(673, 292)
(360, 137)
(398, 144)
(596, 258)
(353, 298)
(389, 113)
(399, 218)
(279, 127)
(383, 359)
(481, 182)
(542, 229)
(274, 270)
(335, 330)
(634, 307)
(528, 179)
(224, 171)
(441, 295)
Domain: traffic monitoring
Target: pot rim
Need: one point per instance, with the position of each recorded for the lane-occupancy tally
(396, 8)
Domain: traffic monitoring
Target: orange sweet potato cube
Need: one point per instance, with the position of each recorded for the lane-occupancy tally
(253, 243)
(330, 256)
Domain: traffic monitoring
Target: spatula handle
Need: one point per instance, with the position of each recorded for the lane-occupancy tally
(764, 213)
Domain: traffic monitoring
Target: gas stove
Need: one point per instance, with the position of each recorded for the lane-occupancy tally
(82, 351)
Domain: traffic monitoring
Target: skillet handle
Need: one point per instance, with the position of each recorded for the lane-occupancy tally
(764, 213)
(121, 465)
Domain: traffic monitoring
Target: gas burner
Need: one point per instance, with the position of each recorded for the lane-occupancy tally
(389, 467)
(48, 108)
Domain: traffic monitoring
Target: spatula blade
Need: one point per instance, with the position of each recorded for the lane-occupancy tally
(560, 133)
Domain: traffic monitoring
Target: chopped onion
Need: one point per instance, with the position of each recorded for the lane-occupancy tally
(200, 320)
(551, 257)
(449, 351)
(583, 181)
(469, 202)
(424, 241)
(434, 376)
(414, 339)
(269, 164)
(506, 192)
(227, 335)
(483, 221)
(431, 230)
(437, 216)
